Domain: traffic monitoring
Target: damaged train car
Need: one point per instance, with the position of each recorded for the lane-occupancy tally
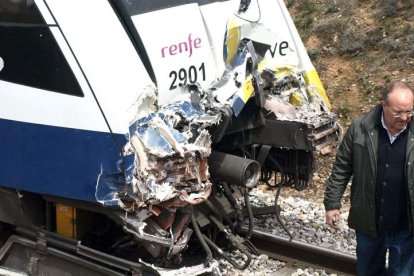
(131, 129)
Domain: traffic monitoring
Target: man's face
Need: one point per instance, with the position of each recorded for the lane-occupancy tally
(398, 109)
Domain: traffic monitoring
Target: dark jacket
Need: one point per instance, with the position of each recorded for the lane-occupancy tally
(357, 157)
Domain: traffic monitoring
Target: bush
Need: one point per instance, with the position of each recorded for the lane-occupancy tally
(389, 7)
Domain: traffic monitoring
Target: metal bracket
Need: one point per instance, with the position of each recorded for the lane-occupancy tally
(41, 244)
(263, 153)
(32, 268)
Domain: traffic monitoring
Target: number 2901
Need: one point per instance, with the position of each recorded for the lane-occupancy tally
(183, 76)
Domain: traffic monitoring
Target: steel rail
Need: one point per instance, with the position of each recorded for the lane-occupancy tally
(298, 253)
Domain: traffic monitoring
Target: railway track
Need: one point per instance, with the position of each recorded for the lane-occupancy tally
(297, 253)
(294, 253)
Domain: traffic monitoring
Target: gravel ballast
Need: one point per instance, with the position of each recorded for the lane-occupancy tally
(305, 220)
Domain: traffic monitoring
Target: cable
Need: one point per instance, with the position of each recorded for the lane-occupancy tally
(252, 21)
(200, 237)
(234, 204)
(279, 189)
(249, 212)
(217, 213)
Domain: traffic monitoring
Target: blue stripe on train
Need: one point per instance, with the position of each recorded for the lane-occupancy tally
(54, 160)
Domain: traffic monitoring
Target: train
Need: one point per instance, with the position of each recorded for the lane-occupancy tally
(132, 131)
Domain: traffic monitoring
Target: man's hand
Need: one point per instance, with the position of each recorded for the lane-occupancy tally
(332, 216)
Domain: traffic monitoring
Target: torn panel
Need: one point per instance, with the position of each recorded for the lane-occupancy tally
(236, 87)
(290, 99)
(283, 70)
(166, 157)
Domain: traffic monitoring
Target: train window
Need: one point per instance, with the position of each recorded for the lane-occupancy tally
(29, 52)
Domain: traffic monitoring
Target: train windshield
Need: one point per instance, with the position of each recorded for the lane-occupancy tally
(19, 12)
(136, 7)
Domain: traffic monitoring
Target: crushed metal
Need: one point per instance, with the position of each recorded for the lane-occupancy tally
(165, 159)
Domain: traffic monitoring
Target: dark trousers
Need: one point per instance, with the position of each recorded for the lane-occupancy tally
(371, 254)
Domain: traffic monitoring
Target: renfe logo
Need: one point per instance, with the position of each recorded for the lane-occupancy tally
(186, 46)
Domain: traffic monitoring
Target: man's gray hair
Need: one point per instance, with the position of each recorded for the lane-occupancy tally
(388, 88)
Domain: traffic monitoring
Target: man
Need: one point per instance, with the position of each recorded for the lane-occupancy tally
(378, 152)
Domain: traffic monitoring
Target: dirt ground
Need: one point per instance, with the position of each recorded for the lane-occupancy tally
(357, 46)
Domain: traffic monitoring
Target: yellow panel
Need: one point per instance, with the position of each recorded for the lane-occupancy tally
(232, 40)
(65, 220)
(312, 79)
(283, 71)
(248, 88)
(280, 71)
(296, 99)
